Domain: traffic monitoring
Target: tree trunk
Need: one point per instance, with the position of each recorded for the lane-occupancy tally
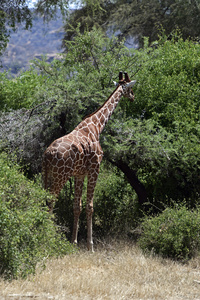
(133, 180)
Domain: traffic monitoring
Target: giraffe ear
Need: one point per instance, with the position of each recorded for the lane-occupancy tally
(115, 83)
(130, 84)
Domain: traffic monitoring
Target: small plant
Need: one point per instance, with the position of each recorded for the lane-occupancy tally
(175, 233)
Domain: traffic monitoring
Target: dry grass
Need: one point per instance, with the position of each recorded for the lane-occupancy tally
(115, 271)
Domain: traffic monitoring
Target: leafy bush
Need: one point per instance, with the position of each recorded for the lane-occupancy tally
(27, 232)
(115, 205)
(21, 91)
(174, 233)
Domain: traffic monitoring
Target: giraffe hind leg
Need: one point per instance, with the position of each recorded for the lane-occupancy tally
(77, 206)
(55, 186)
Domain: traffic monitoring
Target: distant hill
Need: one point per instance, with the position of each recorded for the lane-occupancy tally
(25, 45)
(42, 39)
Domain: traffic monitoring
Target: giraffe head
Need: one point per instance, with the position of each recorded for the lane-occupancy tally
(127, 85)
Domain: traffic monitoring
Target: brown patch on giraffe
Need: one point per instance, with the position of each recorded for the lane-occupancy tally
(56, 143)
(94, 159)
(61, 169)
(110, 107)
(55, 169)
(94, 120)
(59, 163)
(92, 137)
(57, 155)
(67, 169)
(86, 130)
(102, 119)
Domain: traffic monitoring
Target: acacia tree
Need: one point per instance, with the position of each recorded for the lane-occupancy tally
(160, 141)
(143, 18)
(91, 13)
(137, 18)
(12, 12)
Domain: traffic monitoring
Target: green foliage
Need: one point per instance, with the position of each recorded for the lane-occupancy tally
(174, 233)
(160, 136)
(11, 13)
(54, 97)
(91, 14)
(169, 81)
(115, 205)
(144, 18)
(137, 19)
(3, 33)
(94, 59)
(28, 235)
(20, 92)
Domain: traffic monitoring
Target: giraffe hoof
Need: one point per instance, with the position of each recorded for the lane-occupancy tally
(90, 247)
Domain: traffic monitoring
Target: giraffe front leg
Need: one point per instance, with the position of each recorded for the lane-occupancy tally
(77, 206)
(92, 179)
(89, 212)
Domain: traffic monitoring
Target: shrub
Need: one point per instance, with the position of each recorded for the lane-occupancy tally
(115, 205)
(174, 233)
(27, 232)
(20, 92)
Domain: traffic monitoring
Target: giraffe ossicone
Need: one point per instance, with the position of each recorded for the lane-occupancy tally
(79, 154)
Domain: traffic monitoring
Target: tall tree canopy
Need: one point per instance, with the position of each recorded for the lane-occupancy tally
(11, 13)
(138, 18)
(142, 17)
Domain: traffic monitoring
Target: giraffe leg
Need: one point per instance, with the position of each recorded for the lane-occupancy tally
(92, 179)
(55, 188)
(77, 206)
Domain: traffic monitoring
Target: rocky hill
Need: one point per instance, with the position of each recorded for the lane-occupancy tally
(25, 45)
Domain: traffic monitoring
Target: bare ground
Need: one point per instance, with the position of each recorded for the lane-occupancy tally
(117, 270)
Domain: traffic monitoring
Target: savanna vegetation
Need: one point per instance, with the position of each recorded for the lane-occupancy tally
(150, 177)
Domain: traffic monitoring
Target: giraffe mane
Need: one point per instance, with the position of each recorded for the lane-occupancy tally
(121, 81)
(88, 116)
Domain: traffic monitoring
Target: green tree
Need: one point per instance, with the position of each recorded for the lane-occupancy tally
(174, 233)
(91, 13)
(12, 12)
(143, 18)
(160, 139)
(137, 18)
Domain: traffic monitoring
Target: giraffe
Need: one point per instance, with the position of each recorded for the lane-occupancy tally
(79, 154)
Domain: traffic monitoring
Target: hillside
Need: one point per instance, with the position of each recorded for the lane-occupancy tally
(25, 45)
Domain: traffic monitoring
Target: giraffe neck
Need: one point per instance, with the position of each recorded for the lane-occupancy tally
(99, 118)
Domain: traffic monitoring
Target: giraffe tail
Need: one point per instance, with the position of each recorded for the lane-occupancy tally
(45, 172)
(45, 176)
